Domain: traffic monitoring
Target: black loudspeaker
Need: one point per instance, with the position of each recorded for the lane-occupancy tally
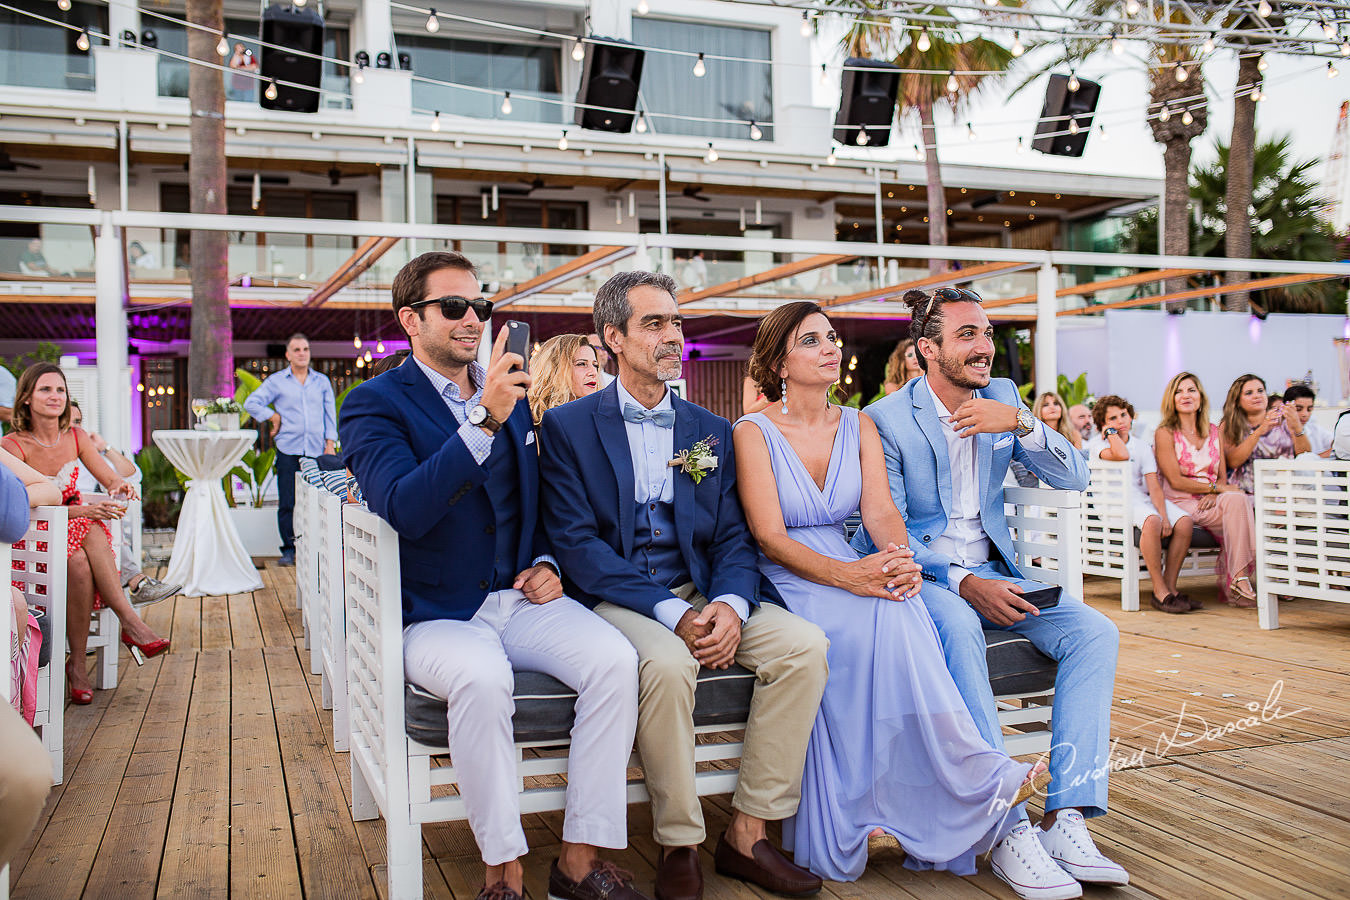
(1063, 107)
(867, 102)
(288, 33)
(610, 76)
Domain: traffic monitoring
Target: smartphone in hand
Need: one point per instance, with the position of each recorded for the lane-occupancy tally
(518, 341)
(1044, 598)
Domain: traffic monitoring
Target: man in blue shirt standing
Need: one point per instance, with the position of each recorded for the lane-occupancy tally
(298, 403)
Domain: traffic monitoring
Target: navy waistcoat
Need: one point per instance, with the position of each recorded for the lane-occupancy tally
(656, 549)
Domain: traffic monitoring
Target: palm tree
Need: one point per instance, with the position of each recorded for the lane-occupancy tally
(1285, 223)
(211, 356)
(948, 52)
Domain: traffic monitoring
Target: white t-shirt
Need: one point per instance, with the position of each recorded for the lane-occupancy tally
(1142, 462)
(1319, 439)
(1340, 443)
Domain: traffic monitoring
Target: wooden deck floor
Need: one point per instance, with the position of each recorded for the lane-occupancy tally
(209, 772)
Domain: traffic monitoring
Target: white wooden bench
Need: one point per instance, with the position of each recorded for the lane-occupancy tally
(43, 583)
(393, 775)
(1302, 532)
(329, 611)
(1109, 547)
(8, 619)
(307, 564)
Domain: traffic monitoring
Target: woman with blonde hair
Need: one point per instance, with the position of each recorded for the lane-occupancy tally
(44, 439)
(1255, 429)
(1191, 455)
(1051, 410)
(901, 366)
(564, 368)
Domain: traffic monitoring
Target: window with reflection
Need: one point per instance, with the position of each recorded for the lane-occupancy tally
(527, 71)
(39, 54)
(731, 90)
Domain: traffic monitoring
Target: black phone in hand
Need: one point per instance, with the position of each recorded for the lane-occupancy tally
(518, 341)
(1043, 598)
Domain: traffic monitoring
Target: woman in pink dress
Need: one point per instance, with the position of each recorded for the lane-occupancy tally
(1190, 451)
(44, 439)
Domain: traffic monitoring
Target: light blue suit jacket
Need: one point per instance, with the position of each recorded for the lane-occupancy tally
(921, 477)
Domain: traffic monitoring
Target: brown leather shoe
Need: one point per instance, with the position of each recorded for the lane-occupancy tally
(678, 875)
(1190, 601)
(767, 868)
(1170, 604)
(604, 882)
(498, 891)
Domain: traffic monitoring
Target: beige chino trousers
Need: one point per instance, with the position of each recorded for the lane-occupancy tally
(786, 653)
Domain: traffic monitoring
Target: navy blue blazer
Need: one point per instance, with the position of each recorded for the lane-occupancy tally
(589, 506)
(401, 441)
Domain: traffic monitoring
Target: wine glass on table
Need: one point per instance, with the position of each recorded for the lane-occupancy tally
(199, 405)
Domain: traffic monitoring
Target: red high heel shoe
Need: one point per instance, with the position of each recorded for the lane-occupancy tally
(78, 696)
(141, 652)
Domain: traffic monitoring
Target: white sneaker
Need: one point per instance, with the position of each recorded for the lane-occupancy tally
(1070, 845)
(1021, 861)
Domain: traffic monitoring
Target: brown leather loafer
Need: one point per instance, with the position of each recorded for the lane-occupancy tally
(767, 868)
(604, 882)
(679, 875)
(1170, 604)
(1190, 601)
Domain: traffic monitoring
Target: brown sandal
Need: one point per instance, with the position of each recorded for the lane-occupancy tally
(1241, 597)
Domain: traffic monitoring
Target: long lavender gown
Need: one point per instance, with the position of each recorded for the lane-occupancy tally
(893, 745)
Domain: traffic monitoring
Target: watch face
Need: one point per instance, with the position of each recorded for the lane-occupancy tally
(478, 415)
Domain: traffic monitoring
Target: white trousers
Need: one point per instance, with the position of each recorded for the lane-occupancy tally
(470, 664)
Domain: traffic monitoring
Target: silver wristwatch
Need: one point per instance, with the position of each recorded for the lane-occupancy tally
(480, 416)
(1026, 424)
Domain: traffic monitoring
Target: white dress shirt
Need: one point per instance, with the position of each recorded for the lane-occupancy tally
(965, 539)
(652, 448)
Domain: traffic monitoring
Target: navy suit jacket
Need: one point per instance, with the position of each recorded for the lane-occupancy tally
(921, 477)
(401, 441)
(589, 507)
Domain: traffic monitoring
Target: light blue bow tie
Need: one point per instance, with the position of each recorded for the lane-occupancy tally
(662, 418)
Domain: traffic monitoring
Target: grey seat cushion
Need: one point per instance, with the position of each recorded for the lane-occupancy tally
(544, 704)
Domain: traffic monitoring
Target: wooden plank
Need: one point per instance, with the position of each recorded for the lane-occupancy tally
(786, 270)
(331, 864)
(128, 861)
(969, 273)
(187, 624)
(1092, 287)
(262, 844)
(273, 608)
(245, 631)
(1217, 290)
(61, 860)
(573, 268)
(196, 849)
(215, 623)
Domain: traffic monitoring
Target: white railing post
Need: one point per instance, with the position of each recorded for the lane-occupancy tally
(111, 340)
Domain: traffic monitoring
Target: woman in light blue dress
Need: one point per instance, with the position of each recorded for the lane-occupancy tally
(893, 746)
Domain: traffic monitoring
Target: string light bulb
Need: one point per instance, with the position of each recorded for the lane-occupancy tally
(1017, 48)
(1074, 83)
(379, 346)
(366, 356)
(1208, 46)
(271, 92)
(924, 42)
(578, 50)
(356, 341)
(831, 159)
(1264, 9)
(1165, 113)
(711, 155)
(1021, 145)
(806, 24)
(506, 103)
(1328, 30)
(83, 40)
(863, 139)
(359, 76)
(360, 363)
(755, 132)
(1332, 71)
(299, 3)
(63, 5)
(970, 132)
(643, 7)
(562, 141)
(1187, 118)
(1101, 132)
(1345, 47)
(1116, 46)
(952, 84)
(433, 23)
(700, 68)
(1256, 95)
(223, 45)
(641, 126)
(824, 75)
(1262, 64)
(1073, 125)
(1132, 7)
(918, 152)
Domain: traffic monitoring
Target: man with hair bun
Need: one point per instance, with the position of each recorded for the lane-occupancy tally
(958, 429)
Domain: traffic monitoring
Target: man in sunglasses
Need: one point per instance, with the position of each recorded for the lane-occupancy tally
(445, 452)
(949, 438)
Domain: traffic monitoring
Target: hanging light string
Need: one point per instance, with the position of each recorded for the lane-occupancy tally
(1178, 104)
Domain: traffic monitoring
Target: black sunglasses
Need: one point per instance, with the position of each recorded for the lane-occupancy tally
(454, 308)
(952, 293)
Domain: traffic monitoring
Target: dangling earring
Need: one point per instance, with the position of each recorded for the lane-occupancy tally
(782, 388)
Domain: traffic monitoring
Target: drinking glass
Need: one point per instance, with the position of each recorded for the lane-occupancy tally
(199, 405)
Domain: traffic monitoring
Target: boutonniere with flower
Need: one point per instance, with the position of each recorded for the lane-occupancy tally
(698, 460)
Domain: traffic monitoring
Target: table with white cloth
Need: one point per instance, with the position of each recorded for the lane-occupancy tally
(208, 557)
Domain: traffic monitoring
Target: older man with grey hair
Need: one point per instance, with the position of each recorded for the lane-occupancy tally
(640, 504)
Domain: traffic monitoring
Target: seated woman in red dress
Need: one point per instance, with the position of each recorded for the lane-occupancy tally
(43, 438)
